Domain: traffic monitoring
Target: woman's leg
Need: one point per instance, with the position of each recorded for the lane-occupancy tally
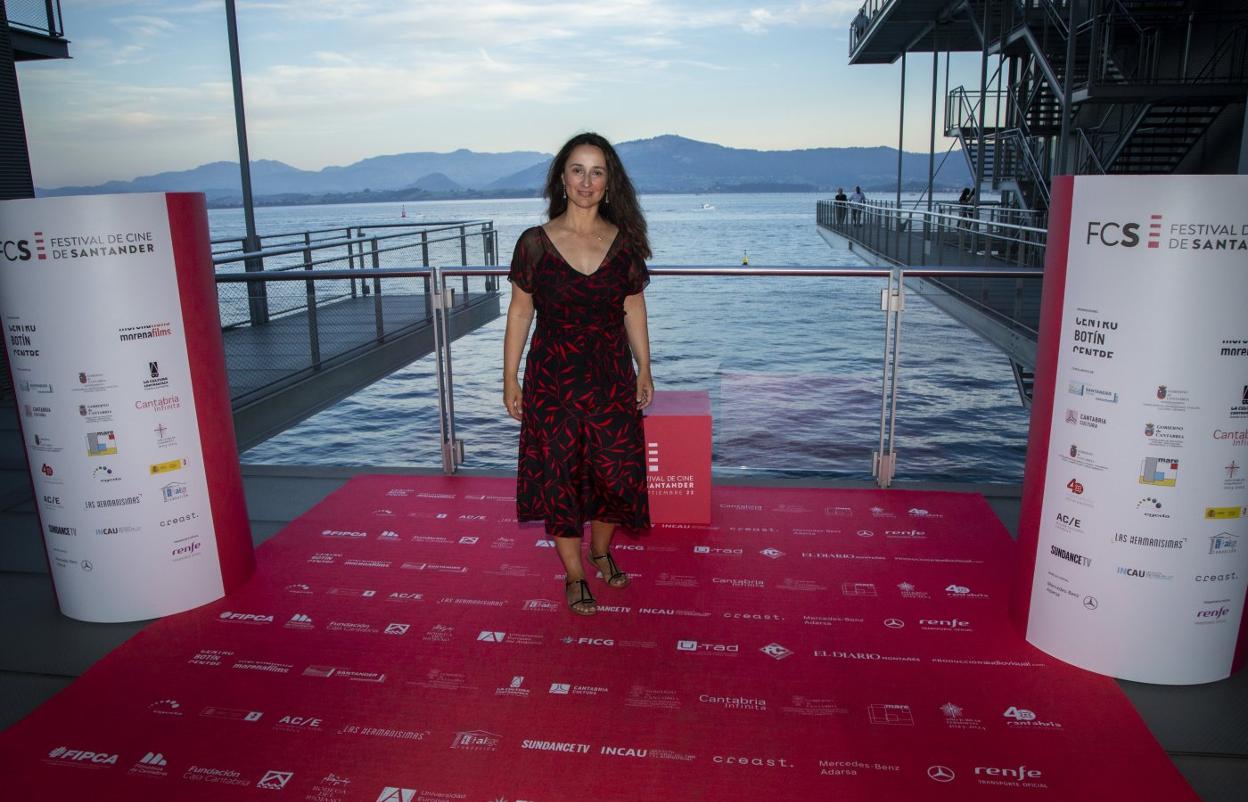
(569, 549)
(600, 535)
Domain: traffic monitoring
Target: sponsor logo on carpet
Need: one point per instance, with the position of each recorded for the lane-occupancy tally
(814, 708)
(274, 780)
(266, 666)
(384, 732)
(362, 593)
(946, 624)
(1016, 777)
(555, 746)
(568, 689)
(516, 689)
(892, 715)
(865, 656)
(152, 764)
(214, 775)
(852, 768)
(641, 696)
(245, 618)
(300, 723)
(209, 657)
(476, 741)
(63, 755)
(1022, 718)
(752, 761)
(231, 713)
(776, 651)
(166, 707)
(703, 647)
(395, 794)
(733, 582)
(718, 551)
(956, 719)
(734, 702)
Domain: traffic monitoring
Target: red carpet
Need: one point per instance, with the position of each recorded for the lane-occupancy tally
(406, 641)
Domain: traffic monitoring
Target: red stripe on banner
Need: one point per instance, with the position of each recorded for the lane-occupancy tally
(201, 320)
(1240, 657)
(1052, 300)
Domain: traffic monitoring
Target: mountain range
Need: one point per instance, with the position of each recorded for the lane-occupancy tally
(658, 165)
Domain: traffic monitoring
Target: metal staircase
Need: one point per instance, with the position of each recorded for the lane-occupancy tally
(1164, 135)
(1134, 105)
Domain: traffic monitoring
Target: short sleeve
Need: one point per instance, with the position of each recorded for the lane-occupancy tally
(522, 260)
(638, 276)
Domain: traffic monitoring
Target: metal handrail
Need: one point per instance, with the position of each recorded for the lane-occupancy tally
(421, 225)
(789, 271)
(286, 251)
(889, 208)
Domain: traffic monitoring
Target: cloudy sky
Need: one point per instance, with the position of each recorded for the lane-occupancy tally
(333, 81)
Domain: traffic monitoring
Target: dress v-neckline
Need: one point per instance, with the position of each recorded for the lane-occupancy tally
(564, 259)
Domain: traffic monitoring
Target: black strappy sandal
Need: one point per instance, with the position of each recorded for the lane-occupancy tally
(616, 578)
(585, 605)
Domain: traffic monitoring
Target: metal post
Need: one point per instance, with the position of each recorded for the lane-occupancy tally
(892, 413)
(350, 260)
(377, 312)
(931, 147)
(901, 125)
(892, 301)
(359, 235)
(983, 93)
(314, 330)
(1243, 143)
(1067, 88)
(451, 449)
(258, 303)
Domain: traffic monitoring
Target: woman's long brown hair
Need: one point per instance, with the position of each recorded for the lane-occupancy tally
(623, 211)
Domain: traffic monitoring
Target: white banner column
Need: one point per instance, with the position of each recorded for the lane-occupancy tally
(110, 316)
(1134, 560)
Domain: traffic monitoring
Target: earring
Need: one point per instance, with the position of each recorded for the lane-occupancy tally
(606, 197)
(565, 189)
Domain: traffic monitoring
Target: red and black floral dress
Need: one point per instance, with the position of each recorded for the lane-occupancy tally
(582, 446)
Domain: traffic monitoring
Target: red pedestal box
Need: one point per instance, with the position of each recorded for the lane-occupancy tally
(678, 457)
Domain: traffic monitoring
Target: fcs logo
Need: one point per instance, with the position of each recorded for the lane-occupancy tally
(18, 250)
(1113, 234)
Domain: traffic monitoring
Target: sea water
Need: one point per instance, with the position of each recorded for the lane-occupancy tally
(793, 365)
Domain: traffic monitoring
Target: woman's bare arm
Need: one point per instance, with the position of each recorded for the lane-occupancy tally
(635, 324)
(519, 319)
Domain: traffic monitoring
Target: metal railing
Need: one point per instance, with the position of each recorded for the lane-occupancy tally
(39, 16)
(949, 234)
(351, 248)
(353, 293)
(892, 303)
(887, 442)
(863, 21)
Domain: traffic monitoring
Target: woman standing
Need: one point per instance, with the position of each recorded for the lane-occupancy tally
(582, 446)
